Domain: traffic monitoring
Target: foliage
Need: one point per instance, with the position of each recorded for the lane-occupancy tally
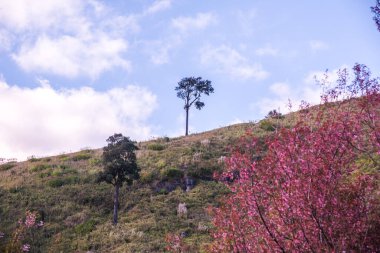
(190, 90)
(155, 146)
(376, 10)
(172, 173)
(58, 182)
(85, 227)
(33, 159)
(119, 160)
(22, 237)
(267, 125)
(7, 166)
(39, 167)
(81, 156)
(274, 115)
(307, 194)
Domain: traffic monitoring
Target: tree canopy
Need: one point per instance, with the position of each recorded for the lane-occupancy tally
(119, 161)
(190, 90)
(376, 10)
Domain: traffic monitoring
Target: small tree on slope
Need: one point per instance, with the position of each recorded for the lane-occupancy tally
(316, 187)
(119, 161)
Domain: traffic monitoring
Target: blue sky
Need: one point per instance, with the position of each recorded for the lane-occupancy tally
(74, 72)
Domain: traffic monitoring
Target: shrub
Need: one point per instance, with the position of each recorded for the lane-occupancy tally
(147, 177)
(33, 159)
(161, 164)
(172, 173)
(274, 115)
(204, 173)
(58, 182)
(156, 146)
(81, 156)
(95, 161)
(7, 166)
(85, 227)
(316, 187)
(267, 125)
(39, 167)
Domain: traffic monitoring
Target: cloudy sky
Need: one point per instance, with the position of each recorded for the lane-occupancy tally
(74, 72)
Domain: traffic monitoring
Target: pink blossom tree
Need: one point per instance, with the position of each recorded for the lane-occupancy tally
(313, 187)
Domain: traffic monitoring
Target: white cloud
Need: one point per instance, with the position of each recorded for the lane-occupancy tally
(200, 21)
(280, 89)
(229, 61)
(72, 56)
(159, 50)
(157, 6)
(68, 38)
(45, 121)
(283, 93)
(267, 50)
(310, 91)
(317, 45)
(21, 15)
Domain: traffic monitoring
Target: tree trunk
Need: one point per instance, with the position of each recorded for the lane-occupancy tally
(115, 203)
(187, 121)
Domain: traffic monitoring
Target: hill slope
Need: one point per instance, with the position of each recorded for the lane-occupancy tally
(77, 212)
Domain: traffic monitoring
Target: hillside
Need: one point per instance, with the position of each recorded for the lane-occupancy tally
(77, 211)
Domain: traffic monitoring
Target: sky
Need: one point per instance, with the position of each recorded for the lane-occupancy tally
(74, 72)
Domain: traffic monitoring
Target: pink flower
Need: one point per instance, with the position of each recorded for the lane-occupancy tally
(30, 219)
(25, 247)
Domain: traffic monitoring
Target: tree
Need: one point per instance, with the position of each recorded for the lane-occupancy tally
(119, 161)
(190, 89)
(376, 10)
(316, 186)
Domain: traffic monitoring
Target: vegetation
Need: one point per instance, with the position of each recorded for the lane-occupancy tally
(376, 10)
(63, 193)
(315, 188)
(119, 160)
(190, 90)
(76, 210)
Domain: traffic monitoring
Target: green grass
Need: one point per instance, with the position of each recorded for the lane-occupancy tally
(78, 212)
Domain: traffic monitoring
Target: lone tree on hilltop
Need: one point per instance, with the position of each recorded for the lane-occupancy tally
(190, 89)
(119, 161)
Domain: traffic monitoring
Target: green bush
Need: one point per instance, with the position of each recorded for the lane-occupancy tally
(161, 164)
(147, 177)
(7, 166)
(44, 174)
(204, 173)
(267, 125)
(58, 182)
(39, 167)
(156, 146)
(172, 173)
(95, 161)
(81, 156)
(85, 227)
(33, 159)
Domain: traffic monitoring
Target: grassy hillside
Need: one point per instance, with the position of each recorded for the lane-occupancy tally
(77, 211)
